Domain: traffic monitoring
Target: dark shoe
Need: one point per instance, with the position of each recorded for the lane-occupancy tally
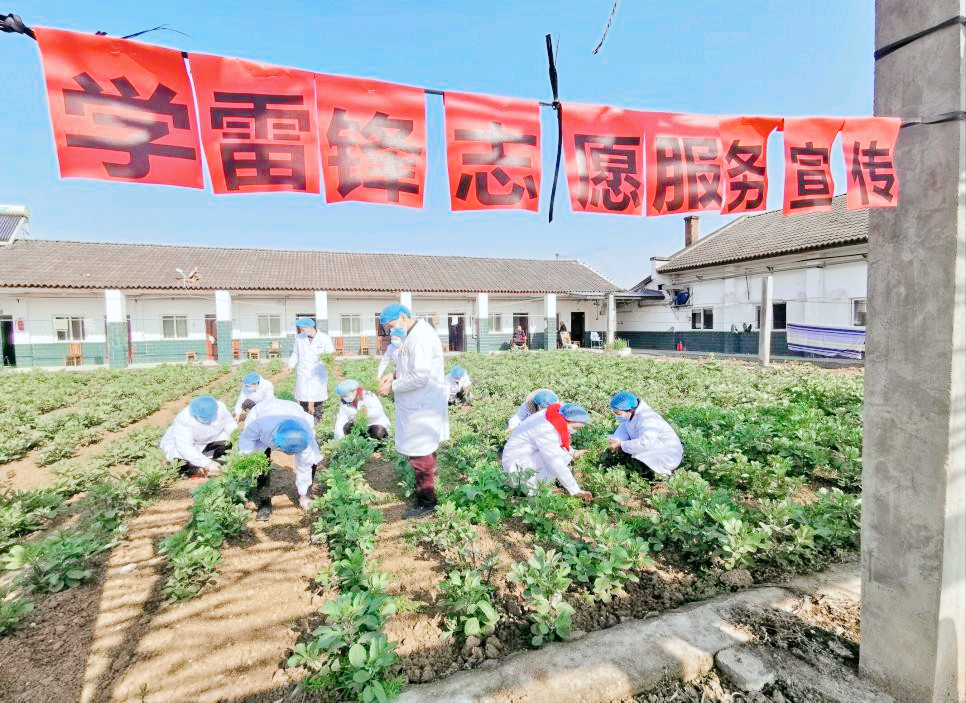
(264, 511)
(419, 511)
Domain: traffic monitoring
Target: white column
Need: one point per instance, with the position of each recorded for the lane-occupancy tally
(483, 306)
(223, 306)
(322, 311)
(611, 318)
(115, 304)
(406, 298)
(764, 331)
(550, 314)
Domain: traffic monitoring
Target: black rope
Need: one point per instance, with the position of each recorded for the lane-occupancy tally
(889, 48)
(610, 18)
(556, 106)
(957, 116)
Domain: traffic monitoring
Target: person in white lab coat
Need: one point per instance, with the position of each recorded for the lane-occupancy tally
(284, 426)
(199, 435)
(422, 420)
(396, 338)
(542, 443)
(535, 401)
(645, 435)
(311, 376)
(458, 385)
(354, 398)
(254, 388)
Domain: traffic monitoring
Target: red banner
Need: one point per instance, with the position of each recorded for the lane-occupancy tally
(603, 147)
(258, 125)
(808, 173)
(869, 145)
(683, 163)
(373, 140)
(121, 110)
(493, 152)
(744, 144)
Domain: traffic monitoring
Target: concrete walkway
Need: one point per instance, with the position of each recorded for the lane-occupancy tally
(633, 657)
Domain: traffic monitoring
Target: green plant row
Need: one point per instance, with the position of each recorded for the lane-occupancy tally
(218, 512)
(349, 654)
(66, 558)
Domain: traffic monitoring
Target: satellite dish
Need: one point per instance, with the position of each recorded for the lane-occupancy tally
(681, 297)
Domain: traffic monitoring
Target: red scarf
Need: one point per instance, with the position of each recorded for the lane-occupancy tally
(559, 423)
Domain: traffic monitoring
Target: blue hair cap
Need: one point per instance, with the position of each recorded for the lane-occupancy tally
(204, 409)
(392, 312)
(574, 413)
(347, 386)
(251, 378)
(623, 400)
(544, 397)
(304, 322)
(457, 372)
(291, 436)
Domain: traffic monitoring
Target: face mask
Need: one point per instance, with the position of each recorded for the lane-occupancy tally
(623, 414)
(395, 341)
(250, 389)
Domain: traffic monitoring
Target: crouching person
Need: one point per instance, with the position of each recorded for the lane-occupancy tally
(542, 443)
(354, 398)
(199, 436)
(645, 435)
(284, 426)
(458, 384)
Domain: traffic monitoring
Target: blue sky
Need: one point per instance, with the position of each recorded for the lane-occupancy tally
(771, 58)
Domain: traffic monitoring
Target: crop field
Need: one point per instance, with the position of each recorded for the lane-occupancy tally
(769, 487)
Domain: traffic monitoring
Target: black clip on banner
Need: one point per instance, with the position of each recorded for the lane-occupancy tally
(556, 106)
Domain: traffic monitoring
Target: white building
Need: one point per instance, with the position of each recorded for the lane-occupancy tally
(710, 291)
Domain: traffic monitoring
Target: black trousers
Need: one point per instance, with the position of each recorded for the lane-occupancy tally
(318, 407)
(214, 450)
(263, 495)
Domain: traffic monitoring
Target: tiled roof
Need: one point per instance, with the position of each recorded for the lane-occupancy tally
(64, 264)
(773, 234)
(8, 223)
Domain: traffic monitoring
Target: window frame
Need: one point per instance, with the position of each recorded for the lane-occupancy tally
(354, 321)
(176, 321)
(865, 311)
(75, 330)
(273, 320)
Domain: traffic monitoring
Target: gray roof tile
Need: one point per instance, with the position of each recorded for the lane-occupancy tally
(772, 234)
(65, 264)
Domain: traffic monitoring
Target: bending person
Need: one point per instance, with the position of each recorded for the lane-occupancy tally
(254, 388)
(355, 398)
(199, 436)
(645, 435)
(535, 401)
(458, 385)
(284, 426)
(542, 443)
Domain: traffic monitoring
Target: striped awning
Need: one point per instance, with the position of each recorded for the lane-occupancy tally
(826, 341)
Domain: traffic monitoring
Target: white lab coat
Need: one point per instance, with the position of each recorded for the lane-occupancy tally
(648, 437)
(388, 357)
(522, 413)
(455, 385)
(535, 444)
(311, 376)
(260, 426)
(263, 391)
(187, 437)
(422, 415)
(375, 414)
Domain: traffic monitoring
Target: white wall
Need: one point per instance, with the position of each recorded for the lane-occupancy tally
(245, 311)
(38, 312)
(146, 311)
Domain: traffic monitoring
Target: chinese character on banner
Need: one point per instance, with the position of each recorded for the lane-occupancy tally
(258, 125)
(493, 152)
(604, 152)
(808, 174)
(744, 145)
(683, 163)
(869, 145)
(373, 140)
(121, 110)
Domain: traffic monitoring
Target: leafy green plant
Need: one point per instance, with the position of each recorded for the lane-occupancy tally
(545, 577)
(14, 608)
(466, 597)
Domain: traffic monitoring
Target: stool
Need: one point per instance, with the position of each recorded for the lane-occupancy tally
(190, 356)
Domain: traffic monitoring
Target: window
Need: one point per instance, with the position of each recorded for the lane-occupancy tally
(269, 325)
(702, 319)
(431, 317)
(174, 326)
(777, 316)
(69, 329)
(858, 312)
(496, 322)
(351, 324)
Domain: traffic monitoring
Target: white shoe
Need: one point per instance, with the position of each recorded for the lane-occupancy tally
(305, 503)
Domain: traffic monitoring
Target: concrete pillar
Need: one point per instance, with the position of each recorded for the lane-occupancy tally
(766, 322)
(550, 316)
(322, 311)
(115, 304)
(483, 318)
(223, 319)
(611, 318)
(914, 454)
(406, 298)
